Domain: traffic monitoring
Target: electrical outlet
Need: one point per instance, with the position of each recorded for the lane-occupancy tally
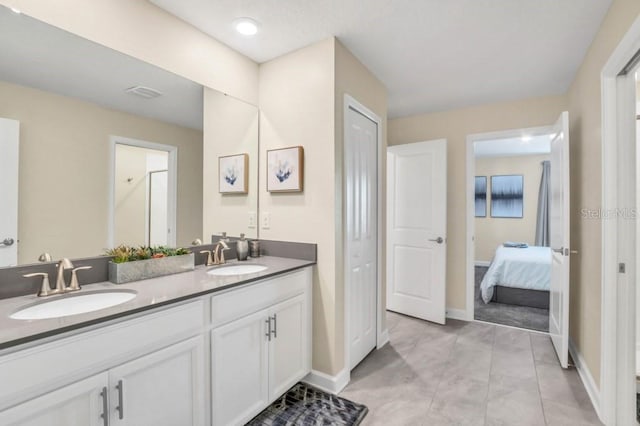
(252, 220)
(266, 220)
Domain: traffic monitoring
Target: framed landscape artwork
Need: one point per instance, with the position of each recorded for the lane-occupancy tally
(481, 196)
(507, 196)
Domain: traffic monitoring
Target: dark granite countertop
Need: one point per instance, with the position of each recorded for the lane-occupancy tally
(151, 294)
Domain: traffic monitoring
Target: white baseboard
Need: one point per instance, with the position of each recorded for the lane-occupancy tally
(383, 338)
(482, 263)
(459, 314)
(327, 383)
(586, 377)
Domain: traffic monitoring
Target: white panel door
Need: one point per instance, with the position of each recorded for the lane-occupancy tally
(417, 229)
(9, 141)
(83, 403)
(240, 369)
(361, 195)
(288, 360)
(559, 236)
(165, 388)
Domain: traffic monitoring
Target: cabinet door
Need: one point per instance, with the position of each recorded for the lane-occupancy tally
(78, 404)
(164, 388)
(289, 354)
(239, 369)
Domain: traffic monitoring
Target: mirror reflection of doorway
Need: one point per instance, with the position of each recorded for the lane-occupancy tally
(142, 196)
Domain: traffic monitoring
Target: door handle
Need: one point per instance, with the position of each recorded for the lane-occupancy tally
(120, 407)
(7, 242)
(438, 240)
(268, 333)
(560, 250)
(573, 251)
(275, 326)
(105, 407)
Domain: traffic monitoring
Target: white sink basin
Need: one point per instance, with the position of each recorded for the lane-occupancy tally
(79, 303)
(225, 271)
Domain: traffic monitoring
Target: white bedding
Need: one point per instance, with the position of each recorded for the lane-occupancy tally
(528, 268)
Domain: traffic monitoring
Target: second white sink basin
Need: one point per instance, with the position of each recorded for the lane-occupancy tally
(79, 303)
(225, 271)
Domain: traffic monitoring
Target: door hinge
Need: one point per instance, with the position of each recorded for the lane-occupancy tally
(622, 268)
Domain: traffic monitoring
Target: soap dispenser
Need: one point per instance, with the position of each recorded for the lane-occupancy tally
(242, 248)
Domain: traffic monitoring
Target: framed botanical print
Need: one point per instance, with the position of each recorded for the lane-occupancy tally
(233, 174)
(285, 169)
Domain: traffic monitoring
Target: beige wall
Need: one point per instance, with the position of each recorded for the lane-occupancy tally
(455, 126)
(586, 183)
(144, 31)
(301, 96)
(230, 128)
(354, 79)
(297, 108)
(64, 171)
(490, 231)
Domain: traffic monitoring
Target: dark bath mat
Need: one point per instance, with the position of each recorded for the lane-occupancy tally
(304, 405)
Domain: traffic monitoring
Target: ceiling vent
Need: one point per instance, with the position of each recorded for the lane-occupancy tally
(144, 92)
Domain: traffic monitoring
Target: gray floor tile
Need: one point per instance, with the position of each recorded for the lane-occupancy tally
(467, 374)
(558, 414)
(514, 401)
(543, 351)
(565, 386)
(513, 362)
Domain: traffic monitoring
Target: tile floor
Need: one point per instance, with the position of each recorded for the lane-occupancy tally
(467, 373)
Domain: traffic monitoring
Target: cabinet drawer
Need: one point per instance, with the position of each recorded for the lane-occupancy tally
(240, 302)
(39, 369)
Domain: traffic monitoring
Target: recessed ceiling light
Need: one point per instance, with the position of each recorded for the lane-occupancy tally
(15, 10)
(246, 26)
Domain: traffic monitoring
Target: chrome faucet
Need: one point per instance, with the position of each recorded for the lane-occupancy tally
(61, 285)
(218, 253)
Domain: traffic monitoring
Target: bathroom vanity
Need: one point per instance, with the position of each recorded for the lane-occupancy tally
(189, 349)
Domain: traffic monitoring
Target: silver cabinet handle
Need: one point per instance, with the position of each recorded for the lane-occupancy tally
(7, 242)
(105, 407)
(120, 407)
(275, 326)
(438, 240)
(268, 334)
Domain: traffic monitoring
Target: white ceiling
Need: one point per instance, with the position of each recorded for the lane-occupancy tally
(511, 147)
(432, 55)
(37, 55)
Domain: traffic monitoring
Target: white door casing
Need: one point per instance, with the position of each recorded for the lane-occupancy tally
(361, 245)
(559, 239)
(416, 229)
(9, 151)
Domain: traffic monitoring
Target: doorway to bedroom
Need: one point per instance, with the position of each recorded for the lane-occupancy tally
(511, 254)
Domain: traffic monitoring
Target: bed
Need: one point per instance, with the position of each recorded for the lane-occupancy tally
(518, 276)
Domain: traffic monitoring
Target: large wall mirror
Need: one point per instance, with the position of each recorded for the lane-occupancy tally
(98, 149)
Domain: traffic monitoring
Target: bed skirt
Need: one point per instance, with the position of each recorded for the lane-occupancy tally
(521, 296)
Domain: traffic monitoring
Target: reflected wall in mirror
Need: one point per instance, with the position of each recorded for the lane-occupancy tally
(69, 96)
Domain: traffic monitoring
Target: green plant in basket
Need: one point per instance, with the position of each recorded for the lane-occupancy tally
(124, 253)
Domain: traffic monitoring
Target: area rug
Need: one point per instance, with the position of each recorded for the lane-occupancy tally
(308, 406)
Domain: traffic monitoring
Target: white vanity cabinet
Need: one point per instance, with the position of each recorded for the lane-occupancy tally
(217, 359)
(163, 388)
(148, 370)
(258, 354)
(77, 404)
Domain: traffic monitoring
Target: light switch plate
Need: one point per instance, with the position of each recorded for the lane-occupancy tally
(252, 219)
(266, 220)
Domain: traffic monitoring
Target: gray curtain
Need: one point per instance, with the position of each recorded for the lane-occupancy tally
(542, 223)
